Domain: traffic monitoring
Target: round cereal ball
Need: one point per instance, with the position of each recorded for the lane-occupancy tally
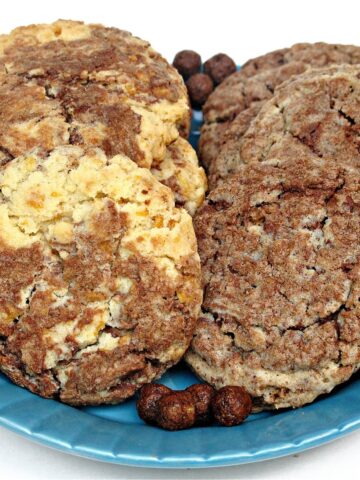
(199, 88)
(147, 403)
(177, 411)
(231, 405)
(219, 67)
(187, 63)
(202, 394)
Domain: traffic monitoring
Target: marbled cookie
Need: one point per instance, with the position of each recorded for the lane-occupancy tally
(99, 275)
(244, 92)
(90, 86)
(316, 114)
(280, 252)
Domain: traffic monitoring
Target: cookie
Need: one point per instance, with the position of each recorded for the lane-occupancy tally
(279, 245)
(89, 86)
(255, 83)
(315, 114)
(100, 275)
(243, 96)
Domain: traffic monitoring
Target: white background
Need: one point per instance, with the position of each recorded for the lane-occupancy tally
(242, 29)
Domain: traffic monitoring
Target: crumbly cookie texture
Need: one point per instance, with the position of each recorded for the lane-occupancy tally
(181, 172)
(279, 245)
(214, 136)
(248, 89)
(91, 86)
(314, 114)
(100, 275)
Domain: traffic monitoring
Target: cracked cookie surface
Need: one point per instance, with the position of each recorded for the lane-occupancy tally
(244, 92)
(315, 114)
(279, 245)
(91, 86)
(100, 275)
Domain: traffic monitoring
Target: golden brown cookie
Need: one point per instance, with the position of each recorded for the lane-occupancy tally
(90, 86)
(100, 275)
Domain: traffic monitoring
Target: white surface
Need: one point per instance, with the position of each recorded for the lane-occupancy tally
(23, 460)
(242, 29)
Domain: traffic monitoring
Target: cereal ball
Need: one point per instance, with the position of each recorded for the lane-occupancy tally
(147, 404)
(187, 63)
(202, 395)
(199, 87)
(219, 67)
(177, 411)
(231, 405)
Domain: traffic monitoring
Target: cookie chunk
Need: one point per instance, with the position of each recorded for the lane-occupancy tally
(315, 114)
(255, 83)
(89, 86)
(100, 275)
(279, 245)
(181, 172)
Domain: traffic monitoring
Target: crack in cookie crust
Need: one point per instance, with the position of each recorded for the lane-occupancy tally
(280, 254)
(91, 86)
(100, 276)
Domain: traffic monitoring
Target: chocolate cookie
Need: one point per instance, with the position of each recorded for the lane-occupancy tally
(90, 86)
(256, 82)
(244, 96)
(279, 245)
(99, 275)
(314, 114)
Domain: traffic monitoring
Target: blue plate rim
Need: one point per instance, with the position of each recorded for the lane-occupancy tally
(230, 461)
(82, 444)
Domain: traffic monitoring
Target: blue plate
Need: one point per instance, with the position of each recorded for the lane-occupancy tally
(115, 433)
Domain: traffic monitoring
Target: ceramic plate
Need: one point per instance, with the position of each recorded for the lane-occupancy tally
(116, 434)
